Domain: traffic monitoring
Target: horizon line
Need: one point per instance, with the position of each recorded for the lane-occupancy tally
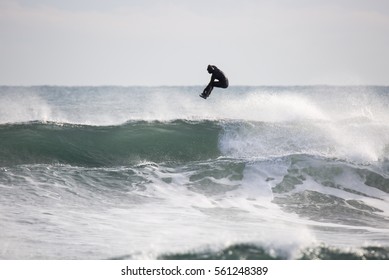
(202, 85)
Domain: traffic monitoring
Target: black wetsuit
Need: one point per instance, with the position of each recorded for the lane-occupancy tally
(218, 79)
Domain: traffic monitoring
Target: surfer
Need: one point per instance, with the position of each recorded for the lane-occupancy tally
(218, 79)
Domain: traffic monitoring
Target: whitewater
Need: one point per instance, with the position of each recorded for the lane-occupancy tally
(159, 173)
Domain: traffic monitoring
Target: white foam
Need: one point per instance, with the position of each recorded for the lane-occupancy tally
(241, 215)
(353, 141)
(336, 122)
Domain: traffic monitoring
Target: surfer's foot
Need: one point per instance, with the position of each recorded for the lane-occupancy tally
(203, 95)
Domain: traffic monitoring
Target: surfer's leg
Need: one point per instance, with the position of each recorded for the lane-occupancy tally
(220, 84)
(208, 90)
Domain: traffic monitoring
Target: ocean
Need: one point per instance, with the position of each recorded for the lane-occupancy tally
(160, 173)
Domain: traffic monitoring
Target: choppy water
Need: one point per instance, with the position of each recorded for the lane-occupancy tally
(139, 172)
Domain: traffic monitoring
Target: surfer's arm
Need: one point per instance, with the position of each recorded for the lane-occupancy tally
(213, 78)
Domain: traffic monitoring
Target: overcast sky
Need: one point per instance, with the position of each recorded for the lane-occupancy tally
(171, 42)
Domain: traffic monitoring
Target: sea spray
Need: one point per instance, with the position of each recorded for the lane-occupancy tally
(157, 172)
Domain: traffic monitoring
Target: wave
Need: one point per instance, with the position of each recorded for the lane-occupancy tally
(38, 142)
(251, 173)
(184, 140)
(284, 205)
(114, 125)
(256, 252)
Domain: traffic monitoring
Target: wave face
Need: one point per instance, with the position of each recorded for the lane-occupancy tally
(81, 145)
(139, 172)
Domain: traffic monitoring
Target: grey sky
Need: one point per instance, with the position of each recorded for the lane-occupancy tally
(256, 42)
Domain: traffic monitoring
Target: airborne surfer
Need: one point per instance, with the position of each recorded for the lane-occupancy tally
(218, 79)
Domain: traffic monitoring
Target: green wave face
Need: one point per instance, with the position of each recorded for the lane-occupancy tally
(108, 145)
